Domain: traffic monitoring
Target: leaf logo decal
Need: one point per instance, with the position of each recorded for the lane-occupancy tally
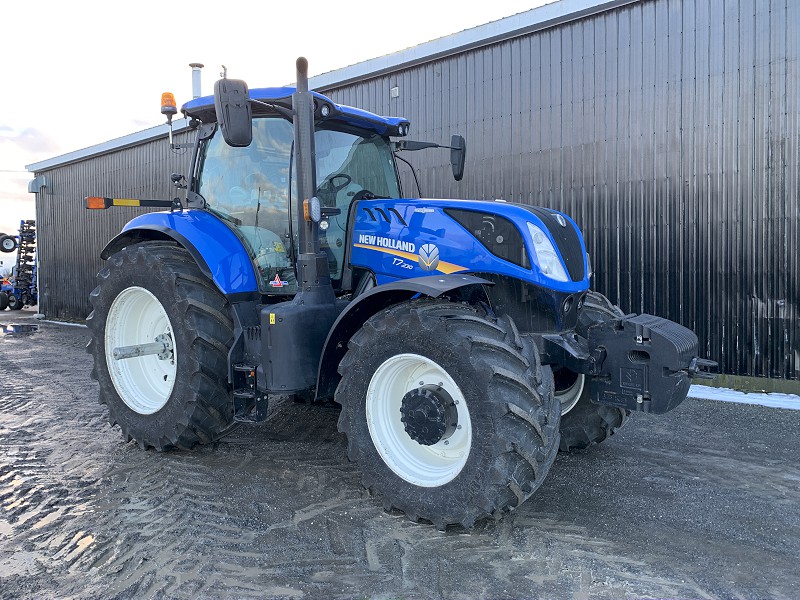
(429, 257)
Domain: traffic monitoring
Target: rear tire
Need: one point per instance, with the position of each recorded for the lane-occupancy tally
(448, 417)
(156, 289)
(3, 301)
(584, 423)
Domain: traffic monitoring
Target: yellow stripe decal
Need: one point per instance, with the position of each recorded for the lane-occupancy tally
(125, 202)
(443, 267)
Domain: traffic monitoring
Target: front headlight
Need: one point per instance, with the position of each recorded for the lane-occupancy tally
(546, 255)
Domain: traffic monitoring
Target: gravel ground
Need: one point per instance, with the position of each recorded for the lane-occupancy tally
(703, 502)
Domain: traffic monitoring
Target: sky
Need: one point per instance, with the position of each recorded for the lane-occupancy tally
(79, 73)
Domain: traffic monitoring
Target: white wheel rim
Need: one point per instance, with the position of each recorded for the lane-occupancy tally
(144, 383)
(569, 397)
(425, 466)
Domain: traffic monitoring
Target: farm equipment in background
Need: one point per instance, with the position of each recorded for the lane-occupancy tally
(460, 337)
(20, 289)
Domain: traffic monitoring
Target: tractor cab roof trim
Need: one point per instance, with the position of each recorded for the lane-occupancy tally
(203, 110)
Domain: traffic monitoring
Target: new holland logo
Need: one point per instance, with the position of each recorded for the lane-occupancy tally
(428, 257)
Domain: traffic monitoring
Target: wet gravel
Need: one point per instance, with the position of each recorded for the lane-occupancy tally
(701, 503)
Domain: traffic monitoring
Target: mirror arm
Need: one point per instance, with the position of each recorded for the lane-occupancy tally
(284, 112)
(403, 145)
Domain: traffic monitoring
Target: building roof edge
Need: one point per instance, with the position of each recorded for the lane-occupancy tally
(131, 139)
(543, 17)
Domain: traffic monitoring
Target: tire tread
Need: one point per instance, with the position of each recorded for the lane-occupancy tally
(524, 414)
(204, 315)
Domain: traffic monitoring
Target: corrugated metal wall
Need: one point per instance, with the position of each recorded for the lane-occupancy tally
(668, 129)
(70, 237)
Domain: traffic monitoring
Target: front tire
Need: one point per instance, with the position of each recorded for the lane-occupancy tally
(449, 417)
(155, 291)
(584, 423)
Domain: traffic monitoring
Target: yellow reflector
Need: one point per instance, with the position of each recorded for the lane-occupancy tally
(168, 106)
(306, 210)
(95, 202)
(125, 202)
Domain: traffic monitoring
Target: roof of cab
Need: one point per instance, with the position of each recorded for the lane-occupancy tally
(203, 109)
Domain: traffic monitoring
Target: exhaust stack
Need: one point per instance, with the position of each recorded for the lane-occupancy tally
(196, 93)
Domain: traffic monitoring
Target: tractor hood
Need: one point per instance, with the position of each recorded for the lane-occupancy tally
(401, 238)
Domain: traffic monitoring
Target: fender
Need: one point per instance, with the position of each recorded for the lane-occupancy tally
(370, 303)
(215, 248)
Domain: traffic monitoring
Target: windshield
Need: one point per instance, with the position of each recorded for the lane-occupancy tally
(251, 187)
(349, 167)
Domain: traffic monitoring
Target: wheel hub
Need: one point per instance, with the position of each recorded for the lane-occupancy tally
(141, 355)
(429, 415)
(568, 388)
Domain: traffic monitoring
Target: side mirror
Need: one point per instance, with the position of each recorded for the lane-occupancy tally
(458, 154)
(232, 105)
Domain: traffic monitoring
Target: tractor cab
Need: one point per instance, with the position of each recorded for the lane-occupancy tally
(253, 187)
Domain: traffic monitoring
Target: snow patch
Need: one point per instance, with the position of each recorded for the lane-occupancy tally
(790, 401)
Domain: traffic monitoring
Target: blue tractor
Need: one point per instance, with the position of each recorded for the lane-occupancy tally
(459, 337)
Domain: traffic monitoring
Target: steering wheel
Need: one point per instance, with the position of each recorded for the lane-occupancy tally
(329, 186)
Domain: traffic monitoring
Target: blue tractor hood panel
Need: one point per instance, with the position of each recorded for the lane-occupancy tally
(213, 245)
(203, 109)
(398, 239)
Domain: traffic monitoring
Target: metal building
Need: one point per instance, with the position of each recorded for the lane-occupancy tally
(668, 129)
(69, 237)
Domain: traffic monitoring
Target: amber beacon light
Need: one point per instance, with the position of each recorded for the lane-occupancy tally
(168, 106)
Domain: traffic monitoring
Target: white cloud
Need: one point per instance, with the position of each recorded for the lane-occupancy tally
(29, 139)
